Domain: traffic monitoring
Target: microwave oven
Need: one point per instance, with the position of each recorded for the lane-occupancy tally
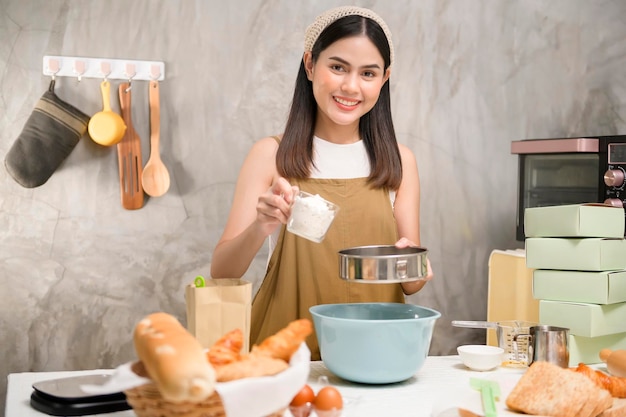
(563, 171)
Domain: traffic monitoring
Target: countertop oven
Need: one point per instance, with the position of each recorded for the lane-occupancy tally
(569, 171)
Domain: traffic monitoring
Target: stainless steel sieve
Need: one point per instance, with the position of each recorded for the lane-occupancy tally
(383, 264)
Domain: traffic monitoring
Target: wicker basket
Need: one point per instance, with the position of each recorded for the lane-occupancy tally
(147, 401)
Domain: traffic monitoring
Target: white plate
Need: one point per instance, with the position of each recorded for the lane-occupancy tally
(69, 388)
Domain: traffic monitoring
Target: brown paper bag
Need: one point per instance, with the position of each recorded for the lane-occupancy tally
(220, 306)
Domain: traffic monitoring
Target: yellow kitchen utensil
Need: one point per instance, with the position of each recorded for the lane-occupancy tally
(106, 127)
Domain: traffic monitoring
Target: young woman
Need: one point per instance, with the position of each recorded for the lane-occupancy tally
(339, 142)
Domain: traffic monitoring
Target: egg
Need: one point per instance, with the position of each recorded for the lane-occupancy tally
(328, 398)
(305, 395)
(301, 404)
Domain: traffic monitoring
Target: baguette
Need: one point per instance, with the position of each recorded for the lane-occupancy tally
(173, 359)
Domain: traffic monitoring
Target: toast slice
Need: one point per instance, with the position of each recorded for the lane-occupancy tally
(605, 402)
(548, 389)
(618, 409)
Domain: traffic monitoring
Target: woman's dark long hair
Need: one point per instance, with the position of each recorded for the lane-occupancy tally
(295, 152)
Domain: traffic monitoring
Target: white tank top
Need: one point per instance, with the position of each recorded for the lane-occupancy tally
(331, 160)
(341, 161)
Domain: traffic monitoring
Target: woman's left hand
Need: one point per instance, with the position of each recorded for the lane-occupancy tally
(414, 286)
(405, 243)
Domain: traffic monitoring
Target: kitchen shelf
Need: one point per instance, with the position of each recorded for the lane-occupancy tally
(103, 68)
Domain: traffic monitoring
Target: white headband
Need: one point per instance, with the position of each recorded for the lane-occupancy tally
(325, 19)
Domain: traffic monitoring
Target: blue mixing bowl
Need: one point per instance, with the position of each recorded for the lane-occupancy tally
(374, 343)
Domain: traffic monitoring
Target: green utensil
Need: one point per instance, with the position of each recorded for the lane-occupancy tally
(199, 281)
(489, 392)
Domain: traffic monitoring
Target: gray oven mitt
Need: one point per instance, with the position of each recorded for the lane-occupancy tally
(51, 132)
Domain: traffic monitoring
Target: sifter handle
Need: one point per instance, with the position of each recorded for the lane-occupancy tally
(475, 324)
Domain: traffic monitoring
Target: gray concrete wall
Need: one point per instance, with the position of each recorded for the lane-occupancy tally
(77, 271)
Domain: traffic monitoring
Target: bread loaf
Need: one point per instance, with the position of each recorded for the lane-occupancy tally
(174, 359)
(549, 390)
(617, 410)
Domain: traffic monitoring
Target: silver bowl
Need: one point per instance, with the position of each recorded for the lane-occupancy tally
(383, 264)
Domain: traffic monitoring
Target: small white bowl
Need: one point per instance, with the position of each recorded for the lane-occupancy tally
(481, 357)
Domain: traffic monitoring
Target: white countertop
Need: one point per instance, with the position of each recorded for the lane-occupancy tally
(436, 384)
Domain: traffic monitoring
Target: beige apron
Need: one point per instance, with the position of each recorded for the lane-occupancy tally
(302, 273)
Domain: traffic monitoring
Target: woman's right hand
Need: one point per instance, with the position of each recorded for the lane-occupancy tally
(274, 205)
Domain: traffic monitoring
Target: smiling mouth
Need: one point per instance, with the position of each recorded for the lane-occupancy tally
(346, 102)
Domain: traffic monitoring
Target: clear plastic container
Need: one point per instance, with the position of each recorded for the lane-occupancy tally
(311, 216)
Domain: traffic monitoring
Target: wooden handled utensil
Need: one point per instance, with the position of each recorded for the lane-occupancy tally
(129, 156)
(155, 178)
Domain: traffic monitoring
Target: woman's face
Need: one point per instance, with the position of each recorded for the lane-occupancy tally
(346, 79)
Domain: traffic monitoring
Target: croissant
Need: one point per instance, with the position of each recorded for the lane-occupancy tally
(226, 349)
(285, 342)
(614, 384)
(249, 367)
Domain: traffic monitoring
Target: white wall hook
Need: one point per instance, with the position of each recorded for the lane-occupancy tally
(155, 72)
(53, 67)
(79, 68)
(130, 71)
(105, 69)
(118, 69)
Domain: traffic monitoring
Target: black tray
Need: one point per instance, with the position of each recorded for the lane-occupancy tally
(63, 397)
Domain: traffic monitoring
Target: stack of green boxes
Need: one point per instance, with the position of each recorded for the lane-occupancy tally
(578, 253)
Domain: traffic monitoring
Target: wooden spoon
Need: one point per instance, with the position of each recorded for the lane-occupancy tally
(155, 178)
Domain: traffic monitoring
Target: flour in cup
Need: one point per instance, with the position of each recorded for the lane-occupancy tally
(311, 216)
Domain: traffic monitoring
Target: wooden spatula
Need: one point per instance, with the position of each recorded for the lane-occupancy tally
(129, 156)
